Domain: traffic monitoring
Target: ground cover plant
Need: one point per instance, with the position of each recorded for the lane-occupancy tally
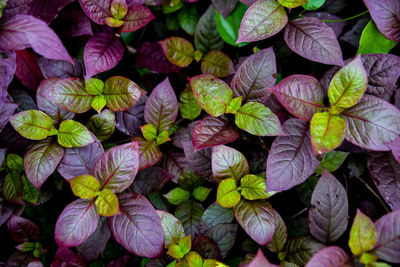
(199, 133)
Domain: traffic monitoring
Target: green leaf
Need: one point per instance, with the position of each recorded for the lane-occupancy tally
(114, 23)
(253, 187)
(180, 250)
(292, 3)
(217, 63)
(172, 6)
(33, 124)
(348, 85)
(227, 193)
(149, 132)
(178, 51)
(107, 203)
(162, 138)
(212, 94)
(85, 186)
(26, 246)
(188, 18)
(332, 161)
(327, 132)
(189, 180)
(98, 103)
(229, 28)
(73, 134)
(94, 86)
(12, 187)
(31, 193)
(188, 105)
(234, 105)
(213, 263)
(119, 9)
(257, 119)
(3, 4)
(206, 36)
(201, 193)
(362, 234)
(15, 162)
(102, 125)
(191, 259)
(313, 4)
(173, 229)
(177, 196)
(372, 41)
(368, 258)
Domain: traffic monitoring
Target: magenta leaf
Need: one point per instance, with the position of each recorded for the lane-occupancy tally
(97, 10)
(337, 27)
(228, 163)
(291, 159)
(45, 11)
(151, 56)
(75, 23)
(103, 51)
(59, 68)
(76, 223)
(212, 131)
(260, 260)
(117, 168)
(388, 241)
(395, 147)
(161, 108)
(65, 256)
(41, 160)
(254, 76)
(138, 16)
(327, 218)
(28, 71)
(330, 257)
(6, 111)
(199, 161)
(138, 228)
(22, 230)
(313, 39)
(8, 66)
(301, 95)
(23, 31)
(175, 163)
(386, 15)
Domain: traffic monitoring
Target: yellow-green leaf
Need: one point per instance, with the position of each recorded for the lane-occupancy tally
(119, 9)
(227, 193)
(73, 134)
(201, 193)
(292, 3)
(98, 103)
(362, 234)
(31, 193)
(15, 162)
(327, 132)
(180, 250)
(94, 86)
(85, 186)
(162, 138)
(217, 63)
(177, 195)
(234, 105)
(253, 187)
(188, 104)
(192, 259)
(107, 203)
(178, 51)
(33, 124)
(149, 132)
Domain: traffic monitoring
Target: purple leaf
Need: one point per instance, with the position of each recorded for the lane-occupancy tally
(60, 68)
(225, 7)
(337, 27)
(184, 134)
(103, 51)
(301, 95)
(19, 259)
(22, 230)
(97, 10)
(117, 168)
(28, 71)
(76, 223)
(395, 147)
(212, 131)
(206, 247)
(7, 70)
(75, 23)
(280, 235)
(45, 11)
(6, 111)
(330, 257)
(80, 160)
(313, 39)
(149, 153)
(388, 241)
(138, 16)
(224, 234)
(248, 2)
(66, 257)
(260, 260)
(189, 214)
(257, 219)
(254, 76)
(199, 161)
(138, 228)
(386, 15)
(41, 160)
(291, 159)
(175, 163)
(16, 7)
(6, 209)
(385, 171)
(149, 180)
(371, 123)
(151, 56)
(300, 249)
(129, 121)
(23, 31)
(327, 218)
(161, 108)
(228, 163)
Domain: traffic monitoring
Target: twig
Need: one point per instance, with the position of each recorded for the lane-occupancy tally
(299, 213)
(373, 192)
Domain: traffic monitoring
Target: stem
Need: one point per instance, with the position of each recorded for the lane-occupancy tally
(340, 20)
(373, 192)
(299, 213)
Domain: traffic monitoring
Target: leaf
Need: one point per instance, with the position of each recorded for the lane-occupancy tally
(260, 260)
(161, 108)
(138, 228)
(189, 213)
(13, 190)
(151, 56)
(330, 257)
(7, 70)
(224, 235)
(225, 7)
(327, 132)
(280, 235)
(128, 121)
(59, 68)
(372, 41)
(85, 186)
(31, 193)
(178, 51)
(28, 71)
(177, 196)
(102, 52)
(33, 124)
(107, 203)
(314, 40)
(80, 161)
(119, 9)
(362, 234)
(117, 168)
(102, 125)
(228, 195)
(228, 28)
(215, 214)
(292, 3)
(191, 259)
(149, 153)
(14, 162)
(212, 94)
(348, 85)
(263, 19)
(300, 249)
(137, 17)
(206, 36)
(73, 134)
(23, 31)
(257, 119)
(178, 251)
(386, 16)
(228, 163)
(257, 219)
(313, 4)
(217, 63)
(96, 10)
(199, 161)
(76, 223)
(149, 132)
(291, 160)
(253, 187)
(173, 229)
(188, 105)
(371, 123)
(388, 237)
(201, 193)
(331, 161)
(327, 218)
(41, 160)
(22, 230)
(207, 248)
(254, 76)
(301, 95)
(188, 17)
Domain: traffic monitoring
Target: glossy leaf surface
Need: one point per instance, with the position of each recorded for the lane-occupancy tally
(178, 51)
(227, 162)
(227, 194)
(362, 234)
(33, 124)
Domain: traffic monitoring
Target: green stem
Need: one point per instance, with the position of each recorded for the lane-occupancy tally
(340, 20)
